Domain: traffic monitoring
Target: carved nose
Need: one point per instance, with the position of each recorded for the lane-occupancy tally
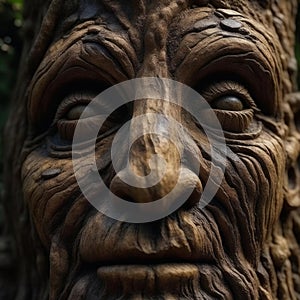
(155, 167)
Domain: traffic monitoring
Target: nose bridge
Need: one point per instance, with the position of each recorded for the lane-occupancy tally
(158, 139)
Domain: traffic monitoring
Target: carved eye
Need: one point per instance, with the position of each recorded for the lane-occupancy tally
(231, 103)
(80, 106)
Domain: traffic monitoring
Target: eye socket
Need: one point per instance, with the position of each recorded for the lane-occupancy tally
(232, 104)
(80, 106)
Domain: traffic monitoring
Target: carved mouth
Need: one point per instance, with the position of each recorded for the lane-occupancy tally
(168, 256)
(163, 281)
(111, 243)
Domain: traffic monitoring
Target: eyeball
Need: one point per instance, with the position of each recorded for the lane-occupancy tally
(231, 103)
(75, 112)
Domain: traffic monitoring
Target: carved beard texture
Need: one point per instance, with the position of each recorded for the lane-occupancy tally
(192, 254)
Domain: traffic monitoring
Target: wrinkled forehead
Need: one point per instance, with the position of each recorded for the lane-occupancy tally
(125, 12)
(164, 25)
(139, 16)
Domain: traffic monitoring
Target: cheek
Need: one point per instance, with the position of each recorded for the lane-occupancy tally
(264, 171)
(48, 187)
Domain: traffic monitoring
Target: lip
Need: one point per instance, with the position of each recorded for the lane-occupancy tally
(149, 278)
(166, 269)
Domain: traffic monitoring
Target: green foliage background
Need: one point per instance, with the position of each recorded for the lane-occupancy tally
(10, 52)
(298, 43)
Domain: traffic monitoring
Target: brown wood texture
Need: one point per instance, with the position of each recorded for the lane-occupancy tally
(245, 244)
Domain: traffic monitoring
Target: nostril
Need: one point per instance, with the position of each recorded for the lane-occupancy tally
(120, 188)
(128, 192)
(195, 197)
(191, 186)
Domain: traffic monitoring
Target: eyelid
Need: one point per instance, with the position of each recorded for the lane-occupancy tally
(72, 101)
(228, 88)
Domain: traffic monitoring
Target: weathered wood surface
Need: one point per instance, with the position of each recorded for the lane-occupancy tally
(240, 56)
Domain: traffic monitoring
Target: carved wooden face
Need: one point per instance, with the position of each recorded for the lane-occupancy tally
(234, 59)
